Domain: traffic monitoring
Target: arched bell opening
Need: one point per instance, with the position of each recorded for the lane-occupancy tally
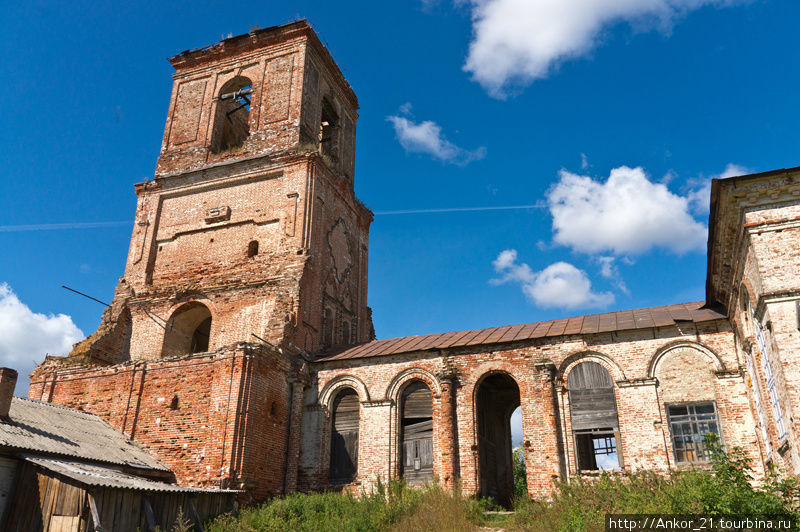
(232, 117)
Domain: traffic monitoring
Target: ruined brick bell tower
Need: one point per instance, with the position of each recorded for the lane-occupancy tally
(251, 225)
(249, 251)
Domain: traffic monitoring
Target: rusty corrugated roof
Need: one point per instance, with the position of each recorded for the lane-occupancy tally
(644, 318)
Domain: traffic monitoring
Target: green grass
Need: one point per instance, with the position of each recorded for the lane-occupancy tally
(724, 489)
(392, 507)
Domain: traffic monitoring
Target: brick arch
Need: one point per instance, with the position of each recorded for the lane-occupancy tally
(194, 298)
(179, 327)
(490, 369)
(616, 372)
(489, 373)
(406, 376)
(336, 384)
(662, 352)
(486, 369)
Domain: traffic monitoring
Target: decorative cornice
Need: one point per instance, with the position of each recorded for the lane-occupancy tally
(631, 383)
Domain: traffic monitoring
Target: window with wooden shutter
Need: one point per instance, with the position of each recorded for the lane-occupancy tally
(417, 433)
(593, 409)
(344, 437)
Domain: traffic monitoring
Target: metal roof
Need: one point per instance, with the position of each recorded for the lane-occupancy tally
(44, 428)
(109, 477)
(591, 324)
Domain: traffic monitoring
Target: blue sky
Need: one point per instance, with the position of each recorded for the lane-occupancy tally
(607, 118)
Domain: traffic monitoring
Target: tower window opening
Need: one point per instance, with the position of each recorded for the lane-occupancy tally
(329, 130)
(252, 248)
(188, 330)
(232, 118)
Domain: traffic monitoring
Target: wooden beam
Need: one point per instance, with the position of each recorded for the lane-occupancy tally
(98, 526)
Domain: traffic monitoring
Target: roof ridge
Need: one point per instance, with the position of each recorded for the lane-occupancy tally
(53, 405)
(624, 319)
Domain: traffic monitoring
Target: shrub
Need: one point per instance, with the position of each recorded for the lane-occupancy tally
(724, 490)
(393, 506)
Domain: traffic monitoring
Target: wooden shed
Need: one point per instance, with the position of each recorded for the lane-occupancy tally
(65, 470)
(68, 496)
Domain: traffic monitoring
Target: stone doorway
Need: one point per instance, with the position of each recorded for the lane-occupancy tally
(496, 399)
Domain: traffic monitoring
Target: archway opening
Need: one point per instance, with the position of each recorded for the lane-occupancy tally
(232, 118)
(188, 330)
(497, 398)
(416, 430)
(593, 409)
(344, 437)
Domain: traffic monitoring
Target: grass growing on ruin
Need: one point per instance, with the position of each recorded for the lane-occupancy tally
(725, 489)
(393, 507)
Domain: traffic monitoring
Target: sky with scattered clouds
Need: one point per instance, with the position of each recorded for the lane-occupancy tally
(526, 159)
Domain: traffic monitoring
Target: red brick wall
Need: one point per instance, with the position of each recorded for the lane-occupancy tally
(229, 426)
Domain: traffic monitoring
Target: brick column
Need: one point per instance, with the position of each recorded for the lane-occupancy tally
(293, 436)
(448, 440)
(542, 434)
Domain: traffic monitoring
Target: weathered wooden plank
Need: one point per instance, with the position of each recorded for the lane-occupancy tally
(588, 375)
(98, 523)
(346, 411)
(417, 401)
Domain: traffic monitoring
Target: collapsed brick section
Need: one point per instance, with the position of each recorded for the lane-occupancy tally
(242, 315)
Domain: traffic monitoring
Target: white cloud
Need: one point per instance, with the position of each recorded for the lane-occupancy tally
(515, 42)
(627, 214)
(426, 137)
(559, 285)
(700, 195)
(26, 336)
(610, 271)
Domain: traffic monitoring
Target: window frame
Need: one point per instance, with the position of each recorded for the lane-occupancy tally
(670, 421)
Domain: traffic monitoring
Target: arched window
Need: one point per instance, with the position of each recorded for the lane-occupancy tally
(344, 437)
(416, 411)
(593, 410)
(188, 330)
(232, 118)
